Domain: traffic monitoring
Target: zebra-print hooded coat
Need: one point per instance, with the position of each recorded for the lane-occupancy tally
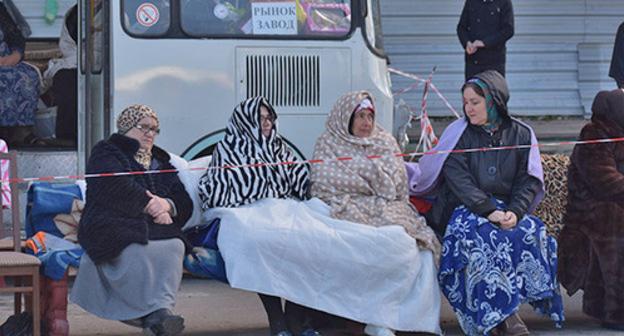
(244, 144)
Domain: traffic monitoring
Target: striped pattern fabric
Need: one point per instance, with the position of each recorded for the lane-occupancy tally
(244, 144)
(5, 189)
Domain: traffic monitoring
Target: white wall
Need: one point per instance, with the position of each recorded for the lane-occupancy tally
(33, 11)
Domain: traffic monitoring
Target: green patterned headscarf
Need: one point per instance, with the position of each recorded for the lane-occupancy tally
(493, 117)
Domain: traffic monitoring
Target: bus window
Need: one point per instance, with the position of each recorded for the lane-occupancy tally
(147, 18)
(375, 34)
(295, 18)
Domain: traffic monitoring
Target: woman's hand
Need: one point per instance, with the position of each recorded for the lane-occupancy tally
(510, 220)
(496, 217)
(10, 60)
(470, 48)
(157, 206)
(163, 219)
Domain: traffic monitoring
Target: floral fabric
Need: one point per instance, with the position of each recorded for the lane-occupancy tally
(19, 91)
(486, 272)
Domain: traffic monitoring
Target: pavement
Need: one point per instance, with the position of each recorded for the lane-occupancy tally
(211, 308)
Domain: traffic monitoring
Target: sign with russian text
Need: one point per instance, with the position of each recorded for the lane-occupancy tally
(274, 18)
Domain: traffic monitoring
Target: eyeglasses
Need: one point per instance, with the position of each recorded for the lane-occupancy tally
(146, 129)
(270, 119)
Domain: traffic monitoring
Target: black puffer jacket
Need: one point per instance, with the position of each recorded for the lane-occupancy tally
(113, 217)
(473, 179)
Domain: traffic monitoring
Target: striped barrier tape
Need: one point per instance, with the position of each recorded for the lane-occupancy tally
(320, 161)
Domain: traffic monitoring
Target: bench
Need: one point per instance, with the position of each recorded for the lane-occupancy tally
(54, 293)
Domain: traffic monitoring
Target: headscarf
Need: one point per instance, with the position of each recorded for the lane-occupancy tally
(362, 190)
(493, 117)
(129, 118)
(608, 109)
(244, 144)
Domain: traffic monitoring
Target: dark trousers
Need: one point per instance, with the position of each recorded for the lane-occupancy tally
(620, 84)
(65, 92)
(472, 69)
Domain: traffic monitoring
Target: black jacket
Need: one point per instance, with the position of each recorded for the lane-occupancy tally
(617, 61)
(473, 179)
(491, 21)
(12, 35)
(113, 217)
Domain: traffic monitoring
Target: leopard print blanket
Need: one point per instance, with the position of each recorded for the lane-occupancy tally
(553, 206)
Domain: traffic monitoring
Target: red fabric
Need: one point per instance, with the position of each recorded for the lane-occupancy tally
(423, 206)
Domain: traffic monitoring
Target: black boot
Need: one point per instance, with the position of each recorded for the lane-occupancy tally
(162, 322)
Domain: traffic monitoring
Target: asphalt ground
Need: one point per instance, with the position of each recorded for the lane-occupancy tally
(211, 308)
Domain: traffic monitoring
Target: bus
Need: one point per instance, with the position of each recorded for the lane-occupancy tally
(193, 61)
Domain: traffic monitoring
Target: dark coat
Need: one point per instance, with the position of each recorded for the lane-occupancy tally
(473, 179)
(617, 60)
(12, 35)
(591, 244)
(491, 21)
(113, 217)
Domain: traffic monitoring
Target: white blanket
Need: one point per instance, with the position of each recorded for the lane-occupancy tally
(294, 250)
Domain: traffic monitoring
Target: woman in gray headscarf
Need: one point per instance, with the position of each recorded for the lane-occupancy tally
(131, 229)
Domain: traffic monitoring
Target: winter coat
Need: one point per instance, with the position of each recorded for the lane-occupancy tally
(491, 21)
(591, 244)
(113, 217)
(617, 60)
(474, 179)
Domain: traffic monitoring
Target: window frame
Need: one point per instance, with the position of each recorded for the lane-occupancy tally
(176, 31)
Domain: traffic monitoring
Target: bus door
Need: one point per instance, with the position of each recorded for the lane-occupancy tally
(94, 76)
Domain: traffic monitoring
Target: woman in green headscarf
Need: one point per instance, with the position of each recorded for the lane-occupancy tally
(495, 254)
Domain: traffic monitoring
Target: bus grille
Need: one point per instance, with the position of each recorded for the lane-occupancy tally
(284, 80)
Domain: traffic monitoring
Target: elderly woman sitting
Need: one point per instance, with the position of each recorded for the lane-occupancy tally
(496, 256)
(131, 230)
(371, 189)
(252, 138)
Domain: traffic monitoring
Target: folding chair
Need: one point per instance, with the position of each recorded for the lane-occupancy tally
(13, 262)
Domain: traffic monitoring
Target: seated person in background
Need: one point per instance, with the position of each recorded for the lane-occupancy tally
(374, 192)
(61, 75)
(19, 84)
(592, 240)
(131, 230)
(496, 255)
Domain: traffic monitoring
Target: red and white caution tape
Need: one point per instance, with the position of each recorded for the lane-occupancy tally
(339, 159)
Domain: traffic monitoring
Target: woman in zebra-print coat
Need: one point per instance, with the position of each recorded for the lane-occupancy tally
(251, 138)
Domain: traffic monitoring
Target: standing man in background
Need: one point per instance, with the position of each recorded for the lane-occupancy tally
(617, 60)
(483, 30)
